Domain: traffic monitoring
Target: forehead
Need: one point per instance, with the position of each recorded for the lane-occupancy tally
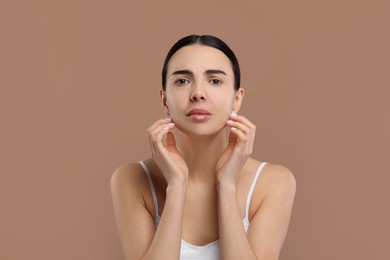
(199, 57)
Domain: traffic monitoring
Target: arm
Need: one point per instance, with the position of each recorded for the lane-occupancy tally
(269, 224)
(167, 239)
(138, 236)
(135, 225)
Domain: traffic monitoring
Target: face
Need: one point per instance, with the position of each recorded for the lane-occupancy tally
(200, 77)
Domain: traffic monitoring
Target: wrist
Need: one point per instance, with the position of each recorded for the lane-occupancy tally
(175, 197)
(177, 187)
(177, 181)
(226, 185)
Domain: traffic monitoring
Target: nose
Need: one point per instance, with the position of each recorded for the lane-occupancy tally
(198, 94)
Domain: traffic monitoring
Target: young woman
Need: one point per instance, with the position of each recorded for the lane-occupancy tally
(202, 195)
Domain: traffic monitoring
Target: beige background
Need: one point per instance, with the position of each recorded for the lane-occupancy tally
(79, 86)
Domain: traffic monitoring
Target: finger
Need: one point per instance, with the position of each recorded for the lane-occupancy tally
(160, 134)
(158, 123)
(157, 127)
(238, 125)
(156, 134)
(170, 141)
(241, 119)
(245, 142)
(233, 137)
(243, 138)
(240, 134)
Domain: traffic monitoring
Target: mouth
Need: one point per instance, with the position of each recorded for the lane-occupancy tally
(199, 115)
(198, 112)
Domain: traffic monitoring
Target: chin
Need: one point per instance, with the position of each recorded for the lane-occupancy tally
(200, 130)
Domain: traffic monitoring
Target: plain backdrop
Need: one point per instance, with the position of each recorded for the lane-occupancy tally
(79, 85)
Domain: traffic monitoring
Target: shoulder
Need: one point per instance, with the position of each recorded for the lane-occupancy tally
(276, 183)
(279, 177)
(275, 180)
(273, 175)
(125, 173)
(129, 187)
(128, 179)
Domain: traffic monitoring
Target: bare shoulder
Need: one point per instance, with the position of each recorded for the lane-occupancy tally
(274, 178)
(278, 183)
(272, 209)
(129, 186)
(279, 177)
(125, 173)
(273, 175)
(128, 178)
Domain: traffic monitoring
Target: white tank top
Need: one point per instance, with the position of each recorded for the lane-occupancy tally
(211, 250)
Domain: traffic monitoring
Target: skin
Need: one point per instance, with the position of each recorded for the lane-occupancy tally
(202, 172)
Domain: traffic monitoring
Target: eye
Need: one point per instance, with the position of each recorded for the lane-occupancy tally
(181, 82)
(215, 82)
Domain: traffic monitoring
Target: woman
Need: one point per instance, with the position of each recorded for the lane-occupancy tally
(201, 195)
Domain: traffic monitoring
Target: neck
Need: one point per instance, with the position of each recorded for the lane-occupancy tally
(201, 153)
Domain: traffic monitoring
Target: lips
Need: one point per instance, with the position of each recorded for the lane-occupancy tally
(198, 112)
(199, 115)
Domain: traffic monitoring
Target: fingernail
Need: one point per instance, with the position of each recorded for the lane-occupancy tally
(171, 124)
(233, 128)
(230, 121)
(233, 114)
(168, 119)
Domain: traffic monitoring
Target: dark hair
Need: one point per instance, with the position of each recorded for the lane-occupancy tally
(207, 40)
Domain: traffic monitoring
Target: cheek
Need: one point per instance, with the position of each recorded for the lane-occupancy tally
(225, 108)
(176, 106)
(226, 105)
(172, 101)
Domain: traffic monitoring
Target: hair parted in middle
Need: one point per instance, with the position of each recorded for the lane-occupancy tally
(207, 40)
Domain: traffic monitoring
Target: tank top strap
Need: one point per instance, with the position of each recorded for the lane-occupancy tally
(251, 189)
(147, 173)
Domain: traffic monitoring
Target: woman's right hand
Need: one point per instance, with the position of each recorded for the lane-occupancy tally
(164, 152)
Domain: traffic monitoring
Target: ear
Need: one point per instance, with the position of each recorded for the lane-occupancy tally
(239, 96)
(163, 99)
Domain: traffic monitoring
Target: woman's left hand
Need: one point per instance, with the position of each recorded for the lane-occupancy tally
(238, 150)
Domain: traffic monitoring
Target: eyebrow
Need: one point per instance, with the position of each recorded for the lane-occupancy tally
(188, 72)
(215, 72)
(179, 72)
